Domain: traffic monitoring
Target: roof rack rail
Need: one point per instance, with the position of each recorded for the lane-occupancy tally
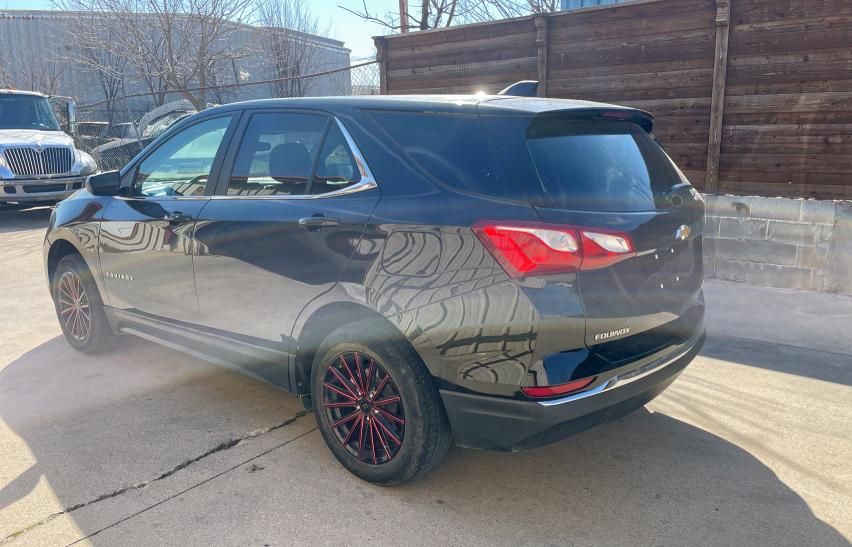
(524, 88)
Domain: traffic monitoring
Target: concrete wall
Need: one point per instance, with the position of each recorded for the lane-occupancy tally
(780, 242)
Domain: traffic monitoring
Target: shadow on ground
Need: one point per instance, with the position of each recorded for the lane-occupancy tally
(819, 365)
(16, 219)
(95, 424)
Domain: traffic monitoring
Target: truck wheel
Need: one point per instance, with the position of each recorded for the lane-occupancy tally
(79, 307)
(377, 406)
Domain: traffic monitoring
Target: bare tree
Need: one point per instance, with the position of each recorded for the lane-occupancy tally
(180, 43)
(430, 14)
(285, 44)
(105, 63)
(489, 10)
(38, 73)
(5, 77)
(444, 13)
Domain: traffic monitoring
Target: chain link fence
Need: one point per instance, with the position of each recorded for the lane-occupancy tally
(114, 130)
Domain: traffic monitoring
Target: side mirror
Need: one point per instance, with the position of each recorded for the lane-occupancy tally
(104, 184)
(71, 116)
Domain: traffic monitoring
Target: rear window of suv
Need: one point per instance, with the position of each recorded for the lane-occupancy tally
(600, 165)
(452, 149)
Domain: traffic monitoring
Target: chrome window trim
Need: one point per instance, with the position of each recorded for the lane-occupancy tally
(366, 183)
(623, 379)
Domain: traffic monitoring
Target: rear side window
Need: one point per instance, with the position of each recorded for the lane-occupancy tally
(599, 166)
(452, 149)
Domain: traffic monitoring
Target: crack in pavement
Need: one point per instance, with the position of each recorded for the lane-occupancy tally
(183, 465)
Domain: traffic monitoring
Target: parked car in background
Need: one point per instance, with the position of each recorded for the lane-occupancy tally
(498, 271)
(130, 139)
(38, 161)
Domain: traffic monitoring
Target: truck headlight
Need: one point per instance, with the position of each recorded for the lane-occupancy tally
(88, 165)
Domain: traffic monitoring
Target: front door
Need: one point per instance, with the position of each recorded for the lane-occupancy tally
(147, 237)
(287, 219)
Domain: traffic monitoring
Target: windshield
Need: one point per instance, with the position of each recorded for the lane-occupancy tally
(26, 112)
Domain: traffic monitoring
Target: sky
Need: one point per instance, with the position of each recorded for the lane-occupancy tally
(355, 32)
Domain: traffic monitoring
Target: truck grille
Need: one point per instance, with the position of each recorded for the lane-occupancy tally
(30, 162)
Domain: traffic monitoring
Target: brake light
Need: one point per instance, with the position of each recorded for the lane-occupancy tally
(538, 249)
(560, 389)
(617, 114)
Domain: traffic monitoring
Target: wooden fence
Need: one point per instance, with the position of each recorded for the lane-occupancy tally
(751, 96)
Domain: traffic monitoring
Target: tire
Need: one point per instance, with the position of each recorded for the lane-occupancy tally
(74, 292)
(423, 437)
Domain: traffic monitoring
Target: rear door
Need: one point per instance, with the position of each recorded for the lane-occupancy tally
(289, 212)
(612, 175)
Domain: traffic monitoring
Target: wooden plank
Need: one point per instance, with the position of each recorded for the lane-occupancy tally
(674, 107)
(801, 162)
(717, 101)
(770, 41)
(773, 72)
(702, 78)
(469, 70)
(463, 56)
(785, 177)
(804, 146)
(678, 17)
(542, 43)
(675, 46)
(789, 118)
(619, 96)
(785, 88)
(811, 102)
(455, 80)
(630, 68)
(756, 11)
(381, 57)
(790, 132)
(483, 47)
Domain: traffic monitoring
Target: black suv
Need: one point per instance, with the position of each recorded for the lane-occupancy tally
(499, 271)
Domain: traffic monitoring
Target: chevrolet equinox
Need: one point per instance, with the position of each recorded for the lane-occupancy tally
(496, 271)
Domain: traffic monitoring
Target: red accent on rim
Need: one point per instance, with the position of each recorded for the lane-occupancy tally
(364, 408)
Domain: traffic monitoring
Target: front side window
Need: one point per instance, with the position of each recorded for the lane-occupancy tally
(277, 154)
(181, 165)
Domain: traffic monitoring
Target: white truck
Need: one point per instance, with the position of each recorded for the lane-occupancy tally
(38, 161)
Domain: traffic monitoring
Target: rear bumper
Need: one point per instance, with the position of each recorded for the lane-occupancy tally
(493, 423)
(30, 190)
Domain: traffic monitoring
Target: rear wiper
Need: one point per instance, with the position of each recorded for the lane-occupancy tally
(674, 197)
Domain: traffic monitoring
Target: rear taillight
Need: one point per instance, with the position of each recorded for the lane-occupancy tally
(527, 249)
(560, 389)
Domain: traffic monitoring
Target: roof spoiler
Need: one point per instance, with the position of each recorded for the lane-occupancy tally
(524, 88)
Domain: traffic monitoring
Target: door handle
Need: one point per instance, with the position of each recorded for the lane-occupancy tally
(177, 218)
(318, 222)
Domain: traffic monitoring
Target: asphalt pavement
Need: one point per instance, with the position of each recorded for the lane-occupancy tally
(752, 445)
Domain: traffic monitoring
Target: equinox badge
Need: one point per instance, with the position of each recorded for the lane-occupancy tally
(612, 334)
